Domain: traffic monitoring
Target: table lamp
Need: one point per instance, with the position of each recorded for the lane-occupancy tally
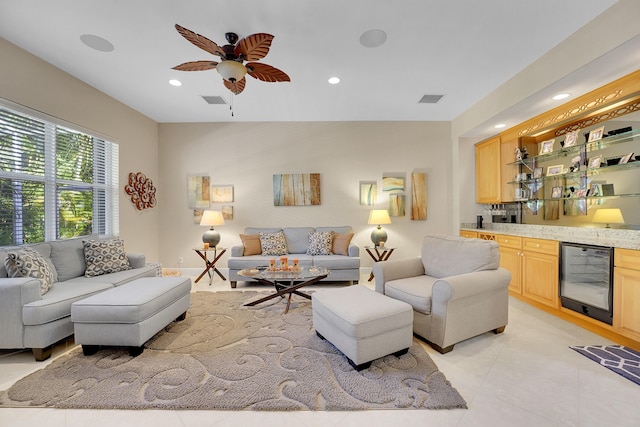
(608, 216)
(379, 217)
(211, 219)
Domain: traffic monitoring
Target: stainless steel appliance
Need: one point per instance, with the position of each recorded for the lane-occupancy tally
(586, 280)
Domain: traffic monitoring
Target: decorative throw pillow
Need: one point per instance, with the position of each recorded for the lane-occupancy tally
(251, 243)
(273, 244)
(104, 256)
(320, 243)
(340, 245)
(26, 262)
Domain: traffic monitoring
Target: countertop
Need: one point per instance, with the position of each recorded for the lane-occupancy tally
(612, 237)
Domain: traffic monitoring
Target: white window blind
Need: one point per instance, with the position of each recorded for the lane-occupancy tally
(56, 182)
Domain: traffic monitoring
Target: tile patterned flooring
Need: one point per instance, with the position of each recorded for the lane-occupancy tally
(527, 376)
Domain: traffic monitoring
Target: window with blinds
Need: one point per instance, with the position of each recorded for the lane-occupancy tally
(55, 182)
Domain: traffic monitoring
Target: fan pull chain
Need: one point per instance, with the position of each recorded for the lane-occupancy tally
(231, 102)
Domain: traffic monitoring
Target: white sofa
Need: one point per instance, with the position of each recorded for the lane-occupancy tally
(456, 288)
(32, 320)
(342, 267)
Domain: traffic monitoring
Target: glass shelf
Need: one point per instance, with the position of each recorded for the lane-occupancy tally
(588, 198)
(577, 174)
(575, 150)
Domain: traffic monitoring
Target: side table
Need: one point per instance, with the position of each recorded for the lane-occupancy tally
(379, 254)
(210, 265)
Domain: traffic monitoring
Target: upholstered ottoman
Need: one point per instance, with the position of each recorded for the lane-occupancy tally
(130, 314)
(363, 324)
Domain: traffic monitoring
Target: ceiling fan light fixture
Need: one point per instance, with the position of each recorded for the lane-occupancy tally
(231, 71)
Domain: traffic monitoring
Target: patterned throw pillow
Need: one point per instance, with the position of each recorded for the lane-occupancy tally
(340, 245)
(26, 262)
(251, 243)
(273, 244)
(320, 243)
(104, 256)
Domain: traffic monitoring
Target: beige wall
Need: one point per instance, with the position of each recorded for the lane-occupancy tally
(31, 82)
(246, 155)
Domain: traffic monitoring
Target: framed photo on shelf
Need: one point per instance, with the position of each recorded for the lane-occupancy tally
(595, 190)
(596, 134)
(625, 159)
(556, 192)
(546, 146)
(537, 173)
(595, 162)
(555, 170)
(580, 193)
(571, 139)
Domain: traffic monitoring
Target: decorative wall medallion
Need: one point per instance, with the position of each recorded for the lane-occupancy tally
(141, 190)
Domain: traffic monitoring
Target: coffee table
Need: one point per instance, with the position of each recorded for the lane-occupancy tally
(285, 282)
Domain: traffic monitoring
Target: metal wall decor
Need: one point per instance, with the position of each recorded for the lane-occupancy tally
(141, 190)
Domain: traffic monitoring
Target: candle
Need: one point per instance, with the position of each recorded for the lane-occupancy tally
(272, 264)
(206, 246)
(296, 264)
(284, 263)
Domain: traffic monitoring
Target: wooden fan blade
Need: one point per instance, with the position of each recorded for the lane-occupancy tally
(266, 73)
(196, 66)
(201, 41)
(253, 47)
(235, 87)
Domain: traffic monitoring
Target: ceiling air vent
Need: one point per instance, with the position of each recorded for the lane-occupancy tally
(214, 100)
(430, 99)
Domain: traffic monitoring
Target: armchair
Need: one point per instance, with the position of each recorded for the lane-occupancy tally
(456, 288)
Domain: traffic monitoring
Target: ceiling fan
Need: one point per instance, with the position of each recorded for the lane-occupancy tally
(232, 68)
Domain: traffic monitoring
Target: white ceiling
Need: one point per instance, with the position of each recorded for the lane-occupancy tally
(462, 49)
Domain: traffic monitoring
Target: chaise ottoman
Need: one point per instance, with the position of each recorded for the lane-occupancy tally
(130, 314)
(363, 324)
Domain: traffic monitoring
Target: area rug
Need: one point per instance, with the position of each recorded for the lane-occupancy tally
(617, 358)
(225, 356)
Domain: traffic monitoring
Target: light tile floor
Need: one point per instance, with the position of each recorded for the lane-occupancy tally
(527, 376)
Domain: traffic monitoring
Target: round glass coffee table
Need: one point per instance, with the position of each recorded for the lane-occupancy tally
(285, 282)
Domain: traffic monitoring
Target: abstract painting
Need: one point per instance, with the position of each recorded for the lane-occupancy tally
(368, 193)
(198, 191)
(418, 196)
(221, 193)
(393, 183)
(296, 189)
(396, 205)
(227, 212)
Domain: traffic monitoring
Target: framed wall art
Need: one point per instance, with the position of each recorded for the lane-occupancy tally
(393, 183)
(296, 189)
(198, 191)
(418, 196)
(221, 193)
(396, 205)
(227, 212)
(368, 193)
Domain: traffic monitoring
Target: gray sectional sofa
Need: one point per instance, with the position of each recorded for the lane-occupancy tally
(345, 267)
(30, 319)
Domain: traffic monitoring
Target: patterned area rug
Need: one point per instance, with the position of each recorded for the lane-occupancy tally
(619, 359)
(224, 356)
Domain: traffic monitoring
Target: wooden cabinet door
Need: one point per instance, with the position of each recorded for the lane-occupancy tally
(468, 234)
(626, 302)
(540, 278)
(511, 259)
(488, 184)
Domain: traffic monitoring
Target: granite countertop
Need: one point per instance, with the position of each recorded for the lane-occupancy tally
(612, 237)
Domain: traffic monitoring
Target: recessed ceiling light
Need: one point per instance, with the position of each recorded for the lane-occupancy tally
(97, 43)
(174, 82)
(334, 80)
(500, 126)
(560, 96)
(373, 38)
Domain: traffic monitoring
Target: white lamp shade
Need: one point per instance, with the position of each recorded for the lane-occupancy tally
(379, 217)
(212, 218)
(232, 71)
(608, 216)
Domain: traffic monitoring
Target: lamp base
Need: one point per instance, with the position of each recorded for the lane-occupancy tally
(378, 236)
(212, 237)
